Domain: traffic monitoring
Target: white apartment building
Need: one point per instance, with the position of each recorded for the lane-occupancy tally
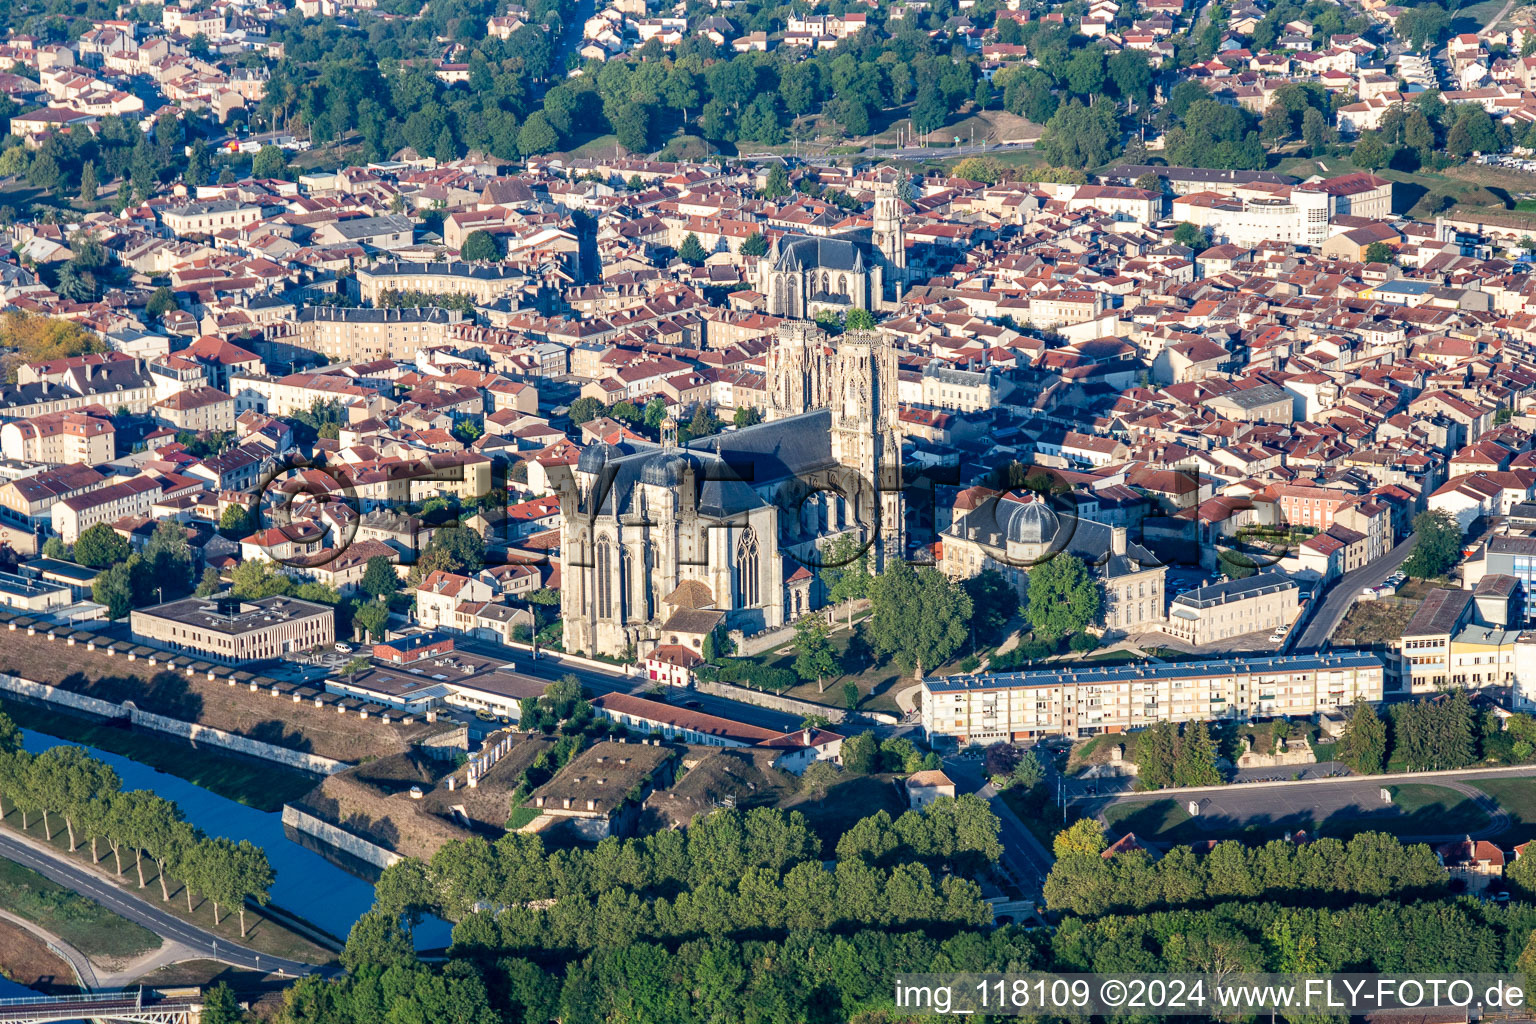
(484, 283)
(354, 335)
(135, 497)
(1221, 611)
(1113, 699)
(1259, 213)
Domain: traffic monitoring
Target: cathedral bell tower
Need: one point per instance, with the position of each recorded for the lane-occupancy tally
(797, 370)
(890, 238)
(866, 435)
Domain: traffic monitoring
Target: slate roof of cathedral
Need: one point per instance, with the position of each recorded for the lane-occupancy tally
(734, 464)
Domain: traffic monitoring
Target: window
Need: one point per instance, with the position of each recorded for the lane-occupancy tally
(604, 578)
(747, 581)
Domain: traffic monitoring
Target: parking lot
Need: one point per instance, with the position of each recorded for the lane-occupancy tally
(1386, 588)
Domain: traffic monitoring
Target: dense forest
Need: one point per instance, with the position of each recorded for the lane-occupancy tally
(736, 918)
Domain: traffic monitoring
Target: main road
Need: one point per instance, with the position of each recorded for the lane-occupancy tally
(59, 868)
(1024, 859)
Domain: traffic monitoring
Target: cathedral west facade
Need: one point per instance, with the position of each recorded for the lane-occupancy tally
(659, 539)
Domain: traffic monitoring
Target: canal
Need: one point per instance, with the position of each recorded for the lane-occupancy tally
(308, 885)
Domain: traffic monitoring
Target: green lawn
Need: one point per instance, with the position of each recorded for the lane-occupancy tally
(1431, 810)
(521, 816)
(263, 785)
(83, 923)
(1160, 820)
(1475, 17)
(1518, 799)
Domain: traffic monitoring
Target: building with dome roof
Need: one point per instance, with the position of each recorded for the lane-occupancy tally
(1011, 533)
(661, 541)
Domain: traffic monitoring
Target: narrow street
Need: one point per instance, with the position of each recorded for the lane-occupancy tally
(1024, 859)
(1337, 599)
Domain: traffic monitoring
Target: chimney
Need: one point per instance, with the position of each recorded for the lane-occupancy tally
(805, 737)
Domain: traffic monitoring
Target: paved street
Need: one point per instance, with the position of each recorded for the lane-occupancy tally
(1256, 804)
(1024, 859)
(1342, 594)
(58, 867)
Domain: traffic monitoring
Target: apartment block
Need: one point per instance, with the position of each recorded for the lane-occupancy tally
(355, 335)
(1117, 698)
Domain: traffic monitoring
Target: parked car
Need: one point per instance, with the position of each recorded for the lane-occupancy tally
(343, 648)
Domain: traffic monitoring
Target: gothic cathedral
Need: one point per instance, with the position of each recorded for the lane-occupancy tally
(661, 541)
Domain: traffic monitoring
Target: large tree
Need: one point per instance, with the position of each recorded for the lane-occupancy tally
(1080, 137)
(269, 162)
(918, 616)
(373, 617)
(815, 657)
(1063, 597)
(1363, 747)
(100, 547)
(1436, 546)
(479, 245)
(379, 578)
(1195, 764)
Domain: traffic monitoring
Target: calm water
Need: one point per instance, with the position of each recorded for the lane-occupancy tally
(308, 885)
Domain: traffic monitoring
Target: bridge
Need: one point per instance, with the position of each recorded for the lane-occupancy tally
(129, 1006)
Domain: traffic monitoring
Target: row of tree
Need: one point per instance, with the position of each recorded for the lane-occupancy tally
(1391, 936)
(1427, 735)
(66, 782)
(1371, 864)
(761, 901)
(806, 977)
(1166, 756)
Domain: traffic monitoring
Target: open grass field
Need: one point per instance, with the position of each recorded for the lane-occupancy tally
(263, 934)
(1159, 820)
(1428, 809)
(263, 785)
(83, 923)
(1475, 17)
(1375, 622)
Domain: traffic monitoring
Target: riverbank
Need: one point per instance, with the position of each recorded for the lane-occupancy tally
(259, 784)
(26, 960)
